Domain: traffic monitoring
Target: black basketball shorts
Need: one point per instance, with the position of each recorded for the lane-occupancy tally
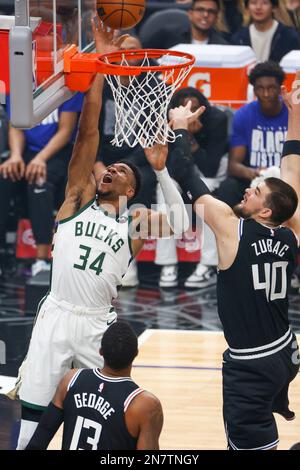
(252, 390)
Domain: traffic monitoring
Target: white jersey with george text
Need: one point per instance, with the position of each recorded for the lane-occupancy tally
(91, 254)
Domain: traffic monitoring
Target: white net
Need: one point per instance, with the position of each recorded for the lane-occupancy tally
(141, 102)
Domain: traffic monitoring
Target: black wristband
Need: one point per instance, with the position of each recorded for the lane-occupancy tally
(184, 170)
(182, 140)
(49, 424)
(291, 147)
(193, 186)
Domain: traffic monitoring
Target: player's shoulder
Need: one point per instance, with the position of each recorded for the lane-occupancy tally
(64, 386)
(69, 377)
(146, 402)
(290, 235)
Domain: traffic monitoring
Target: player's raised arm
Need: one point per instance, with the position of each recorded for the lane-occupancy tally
(148, 223)
(86, 145)
(218, 215)
(290, 163)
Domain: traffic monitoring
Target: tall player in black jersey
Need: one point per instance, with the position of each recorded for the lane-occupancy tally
(103, 409)
(257, 257)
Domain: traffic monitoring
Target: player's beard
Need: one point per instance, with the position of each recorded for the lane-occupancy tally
(240, 211)
(107, 195)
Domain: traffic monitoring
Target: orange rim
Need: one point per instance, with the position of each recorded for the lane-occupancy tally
(140, 54)
(75, 61)
(80, 68)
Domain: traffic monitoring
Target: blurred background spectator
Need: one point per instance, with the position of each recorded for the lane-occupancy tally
(293, 8)
(208, 140)
(197, 27)
(270, 39)
(36, 171)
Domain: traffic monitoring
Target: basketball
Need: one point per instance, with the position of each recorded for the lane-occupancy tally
(121, 14)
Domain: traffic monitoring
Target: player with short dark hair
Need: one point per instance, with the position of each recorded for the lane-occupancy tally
(103, 409)
(281, 200)
(95, 241)
(257, 257)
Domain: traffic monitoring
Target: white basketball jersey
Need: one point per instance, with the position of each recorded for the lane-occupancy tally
(91, 254)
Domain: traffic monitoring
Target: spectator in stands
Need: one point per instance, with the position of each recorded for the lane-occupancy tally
(269, 38)
(258, 133)
(293, 8)
(232, 12)
(203, 16)
(39, 158)
(208, 139)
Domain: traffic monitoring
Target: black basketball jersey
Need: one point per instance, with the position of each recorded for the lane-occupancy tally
(94, 412)
(253, 292)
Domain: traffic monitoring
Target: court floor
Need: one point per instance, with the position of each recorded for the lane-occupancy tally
(183, 368)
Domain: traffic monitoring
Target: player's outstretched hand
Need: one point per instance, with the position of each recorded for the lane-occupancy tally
(182, 116)
(106, 39)
(157, 156)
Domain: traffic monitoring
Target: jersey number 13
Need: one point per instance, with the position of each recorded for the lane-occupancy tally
(92, 440)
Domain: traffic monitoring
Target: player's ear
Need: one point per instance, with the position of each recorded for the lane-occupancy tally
(130, 192)
(266, 213)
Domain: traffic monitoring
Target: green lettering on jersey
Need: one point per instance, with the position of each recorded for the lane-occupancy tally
(96, 265)
(78, 229)
(98, 236)
(90, 229)
(84, 258)
(110, 236)
(118, 245)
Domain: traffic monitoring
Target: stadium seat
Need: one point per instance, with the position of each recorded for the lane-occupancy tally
(157, 22)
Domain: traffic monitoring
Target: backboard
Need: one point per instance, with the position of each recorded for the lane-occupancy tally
(43, 30)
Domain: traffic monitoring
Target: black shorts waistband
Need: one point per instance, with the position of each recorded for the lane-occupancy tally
(264, 350)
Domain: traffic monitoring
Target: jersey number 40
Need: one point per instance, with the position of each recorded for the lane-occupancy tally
(273, 279)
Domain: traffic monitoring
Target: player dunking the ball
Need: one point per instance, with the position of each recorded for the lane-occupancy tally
(92, 251)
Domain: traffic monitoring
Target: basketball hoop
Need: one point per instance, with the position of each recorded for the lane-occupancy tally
(143, 97)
